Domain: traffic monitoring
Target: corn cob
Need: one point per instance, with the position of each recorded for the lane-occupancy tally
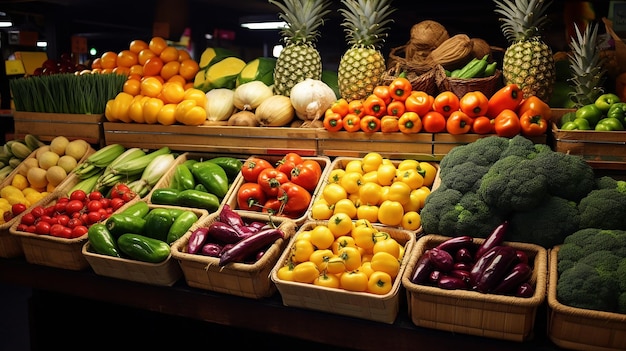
(99, 160)
(152, 173)
(87, 184)
(137, 165)
(107, 178)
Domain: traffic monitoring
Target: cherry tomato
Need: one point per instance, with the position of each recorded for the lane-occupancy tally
(28, 219)
(56, 230)
(42, 227)
(18, 208)
(63, 219)
(74, 206)
(95, 195)
(93, 205)
(78, 195)
(79, 231)
(116, 203)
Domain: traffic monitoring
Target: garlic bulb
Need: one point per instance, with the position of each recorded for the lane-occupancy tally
(249, 96)
(311, 98)
(219, 104)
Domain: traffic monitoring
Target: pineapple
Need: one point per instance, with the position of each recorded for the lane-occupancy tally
(587, 66)
(362, 66)
(528, 61)
(299, 59)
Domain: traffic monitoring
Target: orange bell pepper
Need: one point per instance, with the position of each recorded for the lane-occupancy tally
(445, 103)
(458, 122)
(400, 88)
(474, 103)
(533, 124)
(333, 122)
(382, 91)
(351, 122)
(374, 106)
(482, 125)
(396, 108)
(389, 124)
(536, 104)
(508, 97)
(507, 124)
(340, 106)
(410, 123)
(419, 102)
(356, 107)
(370, 124)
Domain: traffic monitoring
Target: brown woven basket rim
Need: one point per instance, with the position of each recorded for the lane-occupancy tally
(87, 253)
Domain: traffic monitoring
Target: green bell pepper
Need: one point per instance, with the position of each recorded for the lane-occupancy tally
(591, 113)
(101, 241)
(183, 179)
(609, 124)
(181, 225)
(232, 166)
(143, 248)
(120, 223)
(212, 176)
(158, 223)
(604, 101)
(618, 110)
(568, 117)
(577, 124)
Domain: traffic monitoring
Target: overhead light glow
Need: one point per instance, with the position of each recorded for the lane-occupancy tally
(42, 44)
(5, 20)
(264, 25)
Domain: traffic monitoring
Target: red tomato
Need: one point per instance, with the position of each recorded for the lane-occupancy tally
(252, 167)
(63, 219)
(93, 217)
(94, 205)
(313, 165)
(482, 125)
(18, 208)
(305, 176)
(434, 122)
(56, 230)
(74, 206)
(95, 195)
(79, 231)
(78, 195)
(296, 199)
(42, 227)
(270, 180)
(251, 197)
(28, 219)
(116, 203)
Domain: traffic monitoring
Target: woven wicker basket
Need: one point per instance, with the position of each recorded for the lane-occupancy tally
(487, 85)
(581, 329)
(380, 308)
(421, 76)
(240, 279)
(471, 312)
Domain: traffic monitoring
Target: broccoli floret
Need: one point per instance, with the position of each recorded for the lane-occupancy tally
(569, 176)
(438, 202)
(584, 286)
(606, 182)
(464, 177)
(603, 208)
(513, 184)
(546, 225)
(540, 148)
(586, 241)
(621, 303)
(484, 152)
(520, 146)
(621, 273)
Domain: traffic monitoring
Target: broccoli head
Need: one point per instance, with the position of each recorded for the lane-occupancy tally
(546, 225)
(484, 152)
(607, 182)
(520, 146)
(438, 202)
(586, 241)
(603, 208)
(584, 286)
(464, 177)
(569, 176)
(513, 184)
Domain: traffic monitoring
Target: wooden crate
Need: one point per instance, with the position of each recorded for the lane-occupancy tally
(215, 139)
(47, 126)
(603, 150)
(417, 146)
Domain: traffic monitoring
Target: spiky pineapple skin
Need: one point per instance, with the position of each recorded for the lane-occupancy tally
(294, 64)
(530, 64)
(360, 71)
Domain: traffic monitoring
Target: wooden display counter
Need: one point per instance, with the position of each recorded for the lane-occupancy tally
(267, 316)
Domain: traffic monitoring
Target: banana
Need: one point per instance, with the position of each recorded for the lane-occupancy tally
(20, 150)
(33, 142)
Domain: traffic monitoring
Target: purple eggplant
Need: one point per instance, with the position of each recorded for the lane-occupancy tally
(495, 238)
(232, 218)
(522, 256)
(452, 245)
(497, 268)
(434, 276)
(462, 266)
(442, 259)
(250, 245)
(463, 254)
(459, 273)
(451, 283)
(525, 290)
(422, 270)
(225, 233)
(481, 264)
(197, 239)
(519, 274)
(211, 249)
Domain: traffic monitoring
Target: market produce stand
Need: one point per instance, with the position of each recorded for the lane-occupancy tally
(249, 314)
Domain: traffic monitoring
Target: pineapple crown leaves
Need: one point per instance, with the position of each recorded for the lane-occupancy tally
(365, 21)
(522, 19)
(303, 17)
(587, 65)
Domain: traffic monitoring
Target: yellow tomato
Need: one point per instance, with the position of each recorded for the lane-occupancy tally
(390, 213)
(132, 87)
(188, 68)
(400, 192)
(369, 212)
(385, 262)
(431, 172)
(354, 281)
(195, 94)
(182, 108)
(345, 206)
(321, 257)
(389, 245)
(285, 273)
(370, 177)
(370, 193)
(341, 242)
(302, 250)
(411, 177)
(172, 93)
(379, 283)
(305, 272)
(135, 110)
(371, 161)
(366, 267)
(170, 69)
(151, 87)
(322, 237)
(421, 193)
(386, 173)
(408, 164)
(351, 181)
(351, 257)
(340, 224)
(363, 223)
(321, 210)
(335, 265)
(196, 116)
(364, 236)
(384, 194)
(151, 108)
(334, 192)
(411, 220)
(166, 115)
(336, 175)
(354, 166)
(327, 280)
